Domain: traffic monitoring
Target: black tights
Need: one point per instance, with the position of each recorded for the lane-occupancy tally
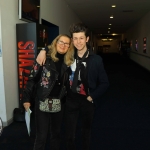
(46, 122)
(74, 108)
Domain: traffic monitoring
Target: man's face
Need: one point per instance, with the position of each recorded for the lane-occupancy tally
(80, 40)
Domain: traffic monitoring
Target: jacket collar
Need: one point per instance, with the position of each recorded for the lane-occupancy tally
(52, 65)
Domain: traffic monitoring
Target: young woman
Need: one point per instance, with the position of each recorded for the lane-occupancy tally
(48, 79)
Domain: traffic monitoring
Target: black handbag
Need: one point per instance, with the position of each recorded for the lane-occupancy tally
(19, 115)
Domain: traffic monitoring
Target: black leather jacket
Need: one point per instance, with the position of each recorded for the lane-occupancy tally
(44, 78)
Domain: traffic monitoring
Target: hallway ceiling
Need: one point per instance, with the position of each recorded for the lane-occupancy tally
(96, 14)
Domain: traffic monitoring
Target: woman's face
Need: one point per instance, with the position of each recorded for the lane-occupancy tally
(62, 45)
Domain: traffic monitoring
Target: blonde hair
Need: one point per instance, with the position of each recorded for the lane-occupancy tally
(69, 56)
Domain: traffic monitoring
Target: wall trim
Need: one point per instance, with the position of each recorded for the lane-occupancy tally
(140, 54)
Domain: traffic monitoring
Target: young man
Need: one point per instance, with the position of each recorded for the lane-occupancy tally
(85, 89)
(88, 82)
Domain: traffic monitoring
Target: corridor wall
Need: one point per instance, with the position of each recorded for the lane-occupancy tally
(56, 12)
(137, 32)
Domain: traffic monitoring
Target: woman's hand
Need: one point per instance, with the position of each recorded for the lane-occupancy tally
(89, 98)
(26, 105)
(41, 58)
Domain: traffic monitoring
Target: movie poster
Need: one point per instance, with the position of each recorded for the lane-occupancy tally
(29, 10)
(144, 44)
(136, 45)
(29, 38)
(131, 45)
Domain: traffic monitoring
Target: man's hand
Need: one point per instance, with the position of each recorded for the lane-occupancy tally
(89, 98)
(41, 58)
(26, 105)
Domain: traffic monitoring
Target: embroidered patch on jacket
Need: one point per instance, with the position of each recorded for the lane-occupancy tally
(45, 77)
(34, 70)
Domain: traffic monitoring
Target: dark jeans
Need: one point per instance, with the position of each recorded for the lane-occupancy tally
(46, 122)
(74, 108)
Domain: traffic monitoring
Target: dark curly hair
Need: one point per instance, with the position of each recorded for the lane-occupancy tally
(79, 27)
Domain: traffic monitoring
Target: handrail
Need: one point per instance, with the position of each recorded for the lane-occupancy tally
(140, 54)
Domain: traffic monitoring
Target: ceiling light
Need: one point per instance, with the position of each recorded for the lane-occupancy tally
(114, 34)
(113, 6)
(110, 24)
(104, 39)
(107, 39)
(109, 28)
(111, 16)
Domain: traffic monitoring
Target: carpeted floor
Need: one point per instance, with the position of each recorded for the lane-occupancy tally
(122, 120)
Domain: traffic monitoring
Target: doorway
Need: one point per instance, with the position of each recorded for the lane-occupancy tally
(53, 30)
